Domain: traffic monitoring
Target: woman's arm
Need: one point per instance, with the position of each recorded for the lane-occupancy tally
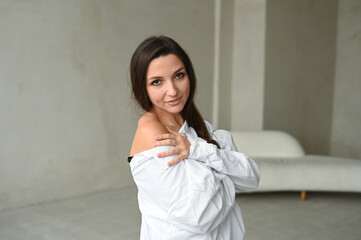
(188, 195)
(238, 166)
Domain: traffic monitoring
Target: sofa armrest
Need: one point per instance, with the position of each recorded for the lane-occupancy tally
(267, 143)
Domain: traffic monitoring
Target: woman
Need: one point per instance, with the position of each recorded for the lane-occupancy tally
(186, 172)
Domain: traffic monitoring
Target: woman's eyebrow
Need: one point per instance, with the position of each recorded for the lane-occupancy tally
(153, 77)
(158, 77)
(179, 69)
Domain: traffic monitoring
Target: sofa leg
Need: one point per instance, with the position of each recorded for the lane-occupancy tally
(303, 195)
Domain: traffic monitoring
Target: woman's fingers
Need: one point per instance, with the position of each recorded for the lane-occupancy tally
(175, 161)
(180, 143)
(165, 136)
(170, 152)
(168, 142)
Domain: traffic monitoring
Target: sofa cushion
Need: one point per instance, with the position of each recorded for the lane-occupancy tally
(311, 172)
(267, 143)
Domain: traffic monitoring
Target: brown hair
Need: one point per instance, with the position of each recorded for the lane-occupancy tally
(154, 47)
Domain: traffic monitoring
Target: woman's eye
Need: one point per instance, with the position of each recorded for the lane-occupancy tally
(155, 82)
(179, 75)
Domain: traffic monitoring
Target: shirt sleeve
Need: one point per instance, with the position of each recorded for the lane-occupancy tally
(242, 170)
(189, 195)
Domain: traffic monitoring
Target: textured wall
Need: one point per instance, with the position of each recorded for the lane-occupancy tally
(346, 129)
(299, 73)
(248, 65)
(67, 120)
(225, 64)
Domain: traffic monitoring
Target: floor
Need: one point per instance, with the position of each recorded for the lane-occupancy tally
(115, 215)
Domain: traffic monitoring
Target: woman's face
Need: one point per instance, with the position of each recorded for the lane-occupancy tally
(167, 84)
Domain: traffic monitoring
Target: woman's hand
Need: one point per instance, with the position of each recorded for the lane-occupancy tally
(180, 143)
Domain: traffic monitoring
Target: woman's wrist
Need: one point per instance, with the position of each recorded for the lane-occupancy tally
(200, 149)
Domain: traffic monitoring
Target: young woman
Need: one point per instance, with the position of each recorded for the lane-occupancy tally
(186, 172)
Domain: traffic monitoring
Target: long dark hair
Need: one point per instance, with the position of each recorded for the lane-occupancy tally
(154, 47)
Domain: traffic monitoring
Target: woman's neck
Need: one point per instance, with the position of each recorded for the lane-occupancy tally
(173, 121)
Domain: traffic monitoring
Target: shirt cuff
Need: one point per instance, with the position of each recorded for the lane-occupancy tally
(200, 150)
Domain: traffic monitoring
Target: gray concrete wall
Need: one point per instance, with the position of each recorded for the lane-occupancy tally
(305, 79)
(248, 65)
(299, 72)
(67, 120)
(346, 118)
(225, 64)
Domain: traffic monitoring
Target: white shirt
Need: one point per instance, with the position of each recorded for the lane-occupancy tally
(194, 199)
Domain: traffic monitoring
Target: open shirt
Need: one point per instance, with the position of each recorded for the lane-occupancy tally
(194, 199)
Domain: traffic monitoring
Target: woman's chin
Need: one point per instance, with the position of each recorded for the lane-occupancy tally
(171, 110)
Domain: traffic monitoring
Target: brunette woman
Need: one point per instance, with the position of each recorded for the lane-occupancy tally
(186, 172)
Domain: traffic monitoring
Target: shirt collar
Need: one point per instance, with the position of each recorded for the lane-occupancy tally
(184, 128)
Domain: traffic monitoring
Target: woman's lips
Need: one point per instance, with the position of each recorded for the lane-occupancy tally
(174, 102)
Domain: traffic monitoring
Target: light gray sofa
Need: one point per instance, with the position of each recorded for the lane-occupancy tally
(284, 166)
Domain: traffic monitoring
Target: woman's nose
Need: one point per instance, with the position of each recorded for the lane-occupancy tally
(171, 89)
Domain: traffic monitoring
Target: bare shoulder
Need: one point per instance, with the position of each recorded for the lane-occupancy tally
(148, 128)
